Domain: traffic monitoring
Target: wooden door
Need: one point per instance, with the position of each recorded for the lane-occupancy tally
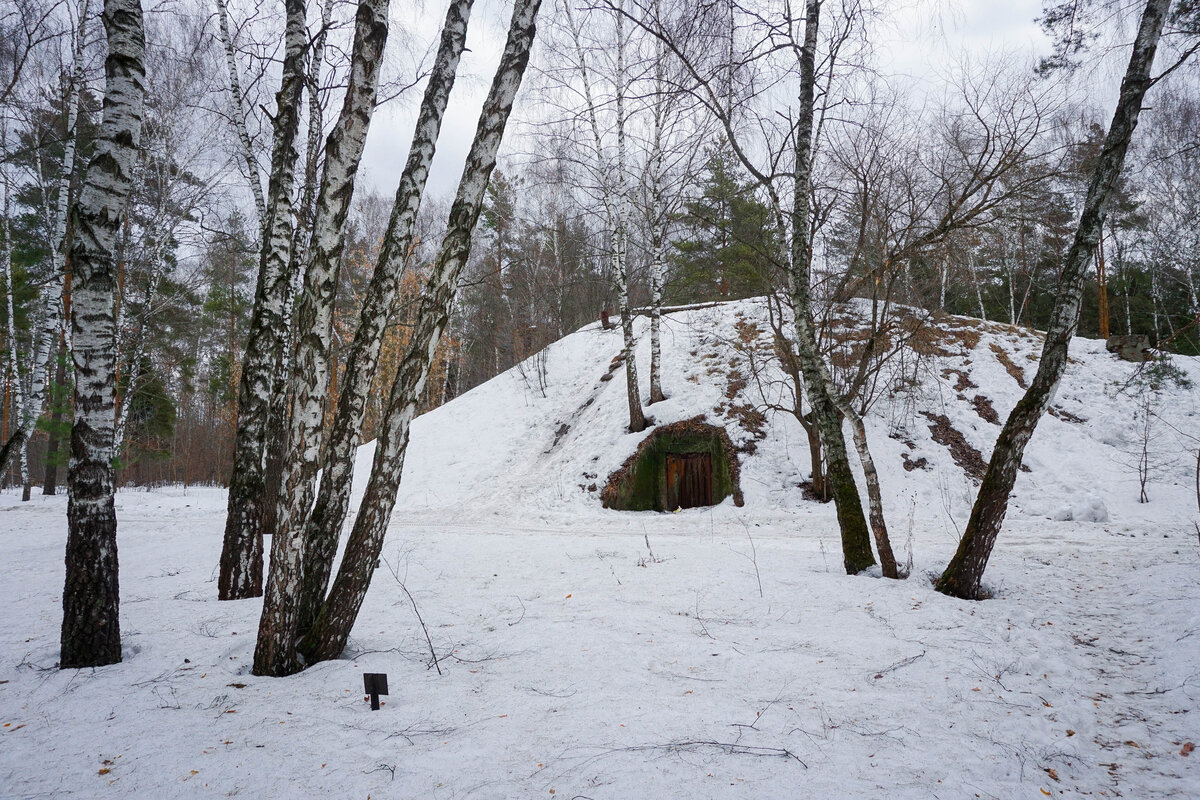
(689, 480)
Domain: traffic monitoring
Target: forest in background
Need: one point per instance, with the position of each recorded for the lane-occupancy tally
(666, 155)
(540, 265)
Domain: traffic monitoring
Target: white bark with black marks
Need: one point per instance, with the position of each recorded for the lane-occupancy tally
(333, 499)
(52, 295)
(275, 652)
(620, 245)
(241, 554)
(332, 628)
(91, 633)
(614, 194)
(237, 113)
(301, 234)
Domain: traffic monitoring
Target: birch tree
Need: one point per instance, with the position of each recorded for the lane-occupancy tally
(275, 653)
(856, 546)
(237, 113)
(241, 553)
(328, 636)
(613, 186)
(52, 294)
(324, 525)
(963, 576)
(670, 151)
(91, 632)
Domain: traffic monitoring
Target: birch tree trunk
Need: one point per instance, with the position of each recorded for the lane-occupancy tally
(637, 418)
(964, 575)
(656, 283)
(856, 541)
(52, 296)
(324, 525)
(14, 360)
(275, 653)
(238, 114)
(658, 232)
(280, 414)
(975, 281)
(91, 633)
(332, 628)
(241, 554)
(887, 559)
(57, 403)
(614, 195)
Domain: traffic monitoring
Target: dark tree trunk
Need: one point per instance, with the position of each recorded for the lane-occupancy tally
(91, 630)
(50, 478)
(964, 575)
(820, 486)
(856, 538)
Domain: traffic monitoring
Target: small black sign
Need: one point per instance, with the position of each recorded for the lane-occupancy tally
(375, 684)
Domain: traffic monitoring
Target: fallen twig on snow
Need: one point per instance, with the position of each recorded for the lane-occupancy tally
(417, 611)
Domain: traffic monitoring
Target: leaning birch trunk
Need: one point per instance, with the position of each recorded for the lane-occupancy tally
(280, 419)
(47, 339)
(91, 632)
(238, 114)
(241, 553)
(964, 575)
(139, 347)
(333, 499)
(637, 418)
(275, 653)
(328, 636)
(856, 541)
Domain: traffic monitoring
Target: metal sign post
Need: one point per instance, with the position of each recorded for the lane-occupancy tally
(375, 684)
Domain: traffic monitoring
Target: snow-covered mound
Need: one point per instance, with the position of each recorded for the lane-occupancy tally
(722, 653)
(542, 438)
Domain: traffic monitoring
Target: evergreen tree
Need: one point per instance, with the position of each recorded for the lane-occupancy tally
(730, 250)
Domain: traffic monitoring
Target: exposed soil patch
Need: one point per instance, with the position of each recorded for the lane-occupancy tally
(562, 431)
(967, 457)
(1066, 416)
(920, 463)
(947, 336)
(983, 407)
(809, 493)
(964, 381)
(735, 382)
(1003, 357)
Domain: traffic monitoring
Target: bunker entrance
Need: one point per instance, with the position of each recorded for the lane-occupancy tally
(688, 464)
(689, 480)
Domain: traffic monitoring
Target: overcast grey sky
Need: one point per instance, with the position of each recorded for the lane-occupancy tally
(921, 41)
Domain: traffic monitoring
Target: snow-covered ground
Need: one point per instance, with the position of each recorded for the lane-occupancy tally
(587, 653)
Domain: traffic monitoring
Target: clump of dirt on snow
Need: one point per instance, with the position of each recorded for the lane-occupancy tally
(963, 381)
(1010, 365)
(983, 407)
(967, 457)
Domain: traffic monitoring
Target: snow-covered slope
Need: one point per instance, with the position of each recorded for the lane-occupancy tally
(712, 653)
(523, 446)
